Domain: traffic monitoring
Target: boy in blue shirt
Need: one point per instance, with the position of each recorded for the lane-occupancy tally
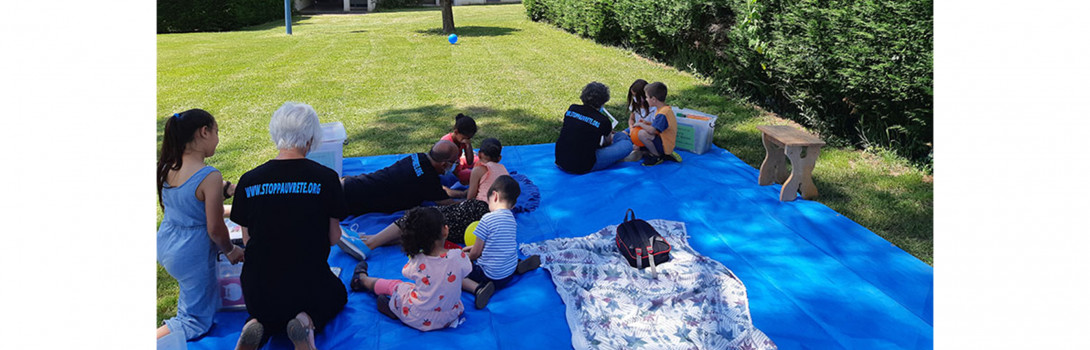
(495, 253)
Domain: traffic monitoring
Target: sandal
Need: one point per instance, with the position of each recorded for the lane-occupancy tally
(357, 282)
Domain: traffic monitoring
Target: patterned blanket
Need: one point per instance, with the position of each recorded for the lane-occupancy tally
(695, 303)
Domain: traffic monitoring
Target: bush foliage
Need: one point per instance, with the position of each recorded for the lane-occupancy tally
(180, 16)
(859, 71)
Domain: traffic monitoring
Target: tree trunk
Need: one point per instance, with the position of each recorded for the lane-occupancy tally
(448, 15)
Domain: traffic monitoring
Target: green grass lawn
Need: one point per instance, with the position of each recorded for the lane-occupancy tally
(396, 84)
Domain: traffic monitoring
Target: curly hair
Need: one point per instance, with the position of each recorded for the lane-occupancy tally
(595, 95)
(421, 228)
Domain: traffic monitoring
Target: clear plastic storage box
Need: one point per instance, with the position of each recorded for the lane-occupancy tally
(331, 152)
(694, 130)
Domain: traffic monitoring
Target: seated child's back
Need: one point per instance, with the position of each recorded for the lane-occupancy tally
(500, 253)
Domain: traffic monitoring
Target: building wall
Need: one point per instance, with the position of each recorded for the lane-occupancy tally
(302, 4)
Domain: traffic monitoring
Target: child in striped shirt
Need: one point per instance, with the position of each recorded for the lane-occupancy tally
(495, 254)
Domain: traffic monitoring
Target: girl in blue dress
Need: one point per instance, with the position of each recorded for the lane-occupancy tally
(191, 194)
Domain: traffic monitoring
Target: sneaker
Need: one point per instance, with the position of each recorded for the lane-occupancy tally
(530, 263)
(251, 336)
(351, 245)
(652, 160)
(483, 293)
(673, 157)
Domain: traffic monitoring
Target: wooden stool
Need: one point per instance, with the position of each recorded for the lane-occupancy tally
(786, 140)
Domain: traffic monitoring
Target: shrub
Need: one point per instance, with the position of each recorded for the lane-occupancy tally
(179, 16)
(860, 71)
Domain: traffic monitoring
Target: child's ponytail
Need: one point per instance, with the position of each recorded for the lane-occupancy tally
(465, 125)
(177, 132)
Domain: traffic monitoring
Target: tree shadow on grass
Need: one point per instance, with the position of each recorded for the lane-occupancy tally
(416, 129)
(472, 31)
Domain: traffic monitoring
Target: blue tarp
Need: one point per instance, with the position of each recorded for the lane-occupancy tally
(816, 279)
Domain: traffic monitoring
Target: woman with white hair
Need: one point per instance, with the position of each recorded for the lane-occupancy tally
(289, 209)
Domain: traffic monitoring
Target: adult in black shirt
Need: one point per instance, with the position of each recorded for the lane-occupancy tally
(289, 209)
(404, 184)
(587, 142)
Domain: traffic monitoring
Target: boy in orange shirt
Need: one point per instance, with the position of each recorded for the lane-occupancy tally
(660, 134)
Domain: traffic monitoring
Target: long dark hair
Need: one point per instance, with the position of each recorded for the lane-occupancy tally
(638, 85)
(465, 125)
(178, 132)
(421, 228)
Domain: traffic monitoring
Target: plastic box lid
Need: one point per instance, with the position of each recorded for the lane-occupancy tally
(333, 132)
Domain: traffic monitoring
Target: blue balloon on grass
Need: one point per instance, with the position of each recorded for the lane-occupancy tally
(453, 38)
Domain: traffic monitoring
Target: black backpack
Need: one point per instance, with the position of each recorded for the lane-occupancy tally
(638, 241)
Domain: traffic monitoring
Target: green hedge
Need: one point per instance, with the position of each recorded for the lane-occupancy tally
(859, 71)
(179, 16)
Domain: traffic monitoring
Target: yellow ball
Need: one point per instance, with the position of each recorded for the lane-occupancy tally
(471, 238)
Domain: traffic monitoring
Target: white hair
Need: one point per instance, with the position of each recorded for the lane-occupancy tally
(294, 125)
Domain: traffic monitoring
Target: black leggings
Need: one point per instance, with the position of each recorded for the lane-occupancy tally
(457, 217)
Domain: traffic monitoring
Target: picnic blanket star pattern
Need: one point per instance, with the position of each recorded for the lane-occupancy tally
(692, 302)
(814, 279)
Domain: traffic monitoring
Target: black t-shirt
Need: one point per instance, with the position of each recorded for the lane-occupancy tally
(580, 136)
(402, 185)
(286, 206)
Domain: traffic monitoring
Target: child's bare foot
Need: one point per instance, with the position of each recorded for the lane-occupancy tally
(250, 339)
(634, 156)
(301, 332)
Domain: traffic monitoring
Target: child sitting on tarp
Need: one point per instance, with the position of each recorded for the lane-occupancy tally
(433, 300)
(462, 134)
(639, 112)
(495, 252)
(659, 135)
